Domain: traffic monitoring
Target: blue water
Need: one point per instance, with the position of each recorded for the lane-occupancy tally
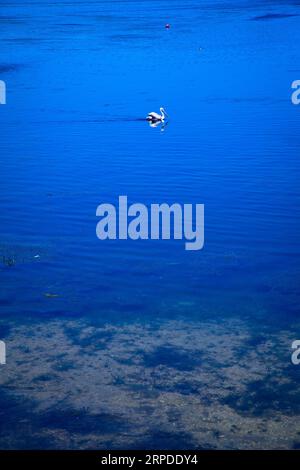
(80, 77)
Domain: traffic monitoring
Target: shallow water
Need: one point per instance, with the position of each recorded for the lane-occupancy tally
(109, 342)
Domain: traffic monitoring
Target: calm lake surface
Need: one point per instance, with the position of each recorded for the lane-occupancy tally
(141, 344)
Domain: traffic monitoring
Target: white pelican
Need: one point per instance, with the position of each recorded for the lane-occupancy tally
(155, 117)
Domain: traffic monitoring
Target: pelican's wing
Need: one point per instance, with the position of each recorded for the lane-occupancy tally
(154, 115)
